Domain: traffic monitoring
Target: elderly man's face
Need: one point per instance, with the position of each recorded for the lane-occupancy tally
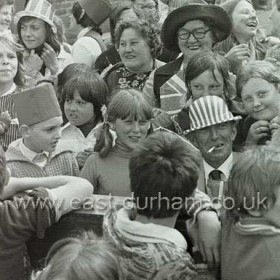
(219, 136)
(193, 45)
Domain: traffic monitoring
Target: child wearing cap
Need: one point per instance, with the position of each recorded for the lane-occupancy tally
(251, 226)
(164, 170)
(35, 153)
(19, 217)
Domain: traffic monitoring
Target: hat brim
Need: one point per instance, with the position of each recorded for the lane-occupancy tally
(21, 14)
(237, 118)
(216, 15)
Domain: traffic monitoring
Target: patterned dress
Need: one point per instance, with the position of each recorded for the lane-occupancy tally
(7, 104)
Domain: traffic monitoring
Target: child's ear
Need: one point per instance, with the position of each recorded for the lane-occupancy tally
(255, 213)
(24, 130)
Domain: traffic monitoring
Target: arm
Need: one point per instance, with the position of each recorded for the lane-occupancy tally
(148, 90)
(90, 171)
(17, 185)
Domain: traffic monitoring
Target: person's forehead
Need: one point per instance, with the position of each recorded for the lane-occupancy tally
(192, 24)
(145, 2)
(33, 21)
(208, 128)
(6, 8)
(55, 121)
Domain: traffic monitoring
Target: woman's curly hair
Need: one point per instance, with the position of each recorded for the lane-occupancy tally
(150, 32)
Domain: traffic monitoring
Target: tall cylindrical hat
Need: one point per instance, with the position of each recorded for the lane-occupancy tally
(41, 9)
(36, 105)
(97, 10)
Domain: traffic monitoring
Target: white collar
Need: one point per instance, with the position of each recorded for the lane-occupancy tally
(29, 154)
(147, 232)
(11, 90)
(224, 168)
(83, 32)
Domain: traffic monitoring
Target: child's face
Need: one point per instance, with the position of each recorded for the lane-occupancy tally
(131, 133)
(206, 84)
(273, 214)
(78, 111)
(33, 33)
(260, 99)
(44, 136)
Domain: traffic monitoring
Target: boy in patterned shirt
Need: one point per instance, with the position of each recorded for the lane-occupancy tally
(35, 154)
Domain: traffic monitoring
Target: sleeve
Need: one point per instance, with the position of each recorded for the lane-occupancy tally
(86, 50)
(199, 202)
(90, 171)
(22, 216)
(148, 91)
(74, 164)
(177, 270)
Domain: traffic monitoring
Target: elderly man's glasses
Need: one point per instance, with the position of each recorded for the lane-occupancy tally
(198, 33)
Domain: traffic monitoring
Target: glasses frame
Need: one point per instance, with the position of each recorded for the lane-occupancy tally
(193, 33)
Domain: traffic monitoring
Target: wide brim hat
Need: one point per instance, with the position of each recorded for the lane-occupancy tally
(97, 10)
(208, 111)
(41, 9)
(194, 10)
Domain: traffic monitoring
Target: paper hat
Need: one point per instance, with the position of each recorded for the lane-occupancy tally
(207, 111)
(97, 10)
(41, 9)
(193, 10)
(36, 105)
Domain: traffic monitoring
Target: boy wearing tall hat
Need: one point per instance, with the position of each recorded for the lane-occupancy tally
(20, 219)
(40, 119)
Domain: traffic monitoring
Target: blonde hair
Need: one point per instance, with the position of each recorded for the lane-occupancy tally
(126, 104)
(82, 258)
(254, 176)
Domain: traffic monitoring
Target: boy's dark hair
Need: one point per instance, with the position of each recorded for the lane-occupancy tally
(3, 169)
(166, 169)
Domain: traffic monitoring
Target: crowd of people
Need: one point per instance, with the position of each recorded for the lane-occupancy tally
(180, 113)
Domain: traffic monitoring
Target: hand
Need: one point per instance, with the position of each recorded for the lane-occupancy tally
(32, 62)
(6, 115)
(275, 139)
(274, 124)
(238, 53)
(257, 130)
(49, 57)
(82, 157)
(209, 237)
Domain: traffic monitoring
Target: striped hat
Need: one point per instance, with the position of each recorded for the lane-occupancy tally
(207, 111)
(41, 9)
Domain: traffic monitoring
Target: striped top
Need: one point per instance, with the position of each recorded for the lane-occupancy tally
(7, 104)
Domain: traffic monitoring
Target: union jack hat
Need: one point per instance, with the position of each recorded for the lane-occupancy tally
(41, 9)
(207, 111)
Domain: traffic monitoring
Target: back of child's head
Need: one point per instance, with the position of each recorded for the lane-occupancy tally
(3, 169)
(257, 69)
(126, 104)
(81, 258)
(90, 86)
(210, 61)
(254, 177)
(166, 167)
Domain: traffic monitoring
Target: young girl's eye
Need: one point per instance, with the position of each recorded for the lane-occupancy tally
(68, 100)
